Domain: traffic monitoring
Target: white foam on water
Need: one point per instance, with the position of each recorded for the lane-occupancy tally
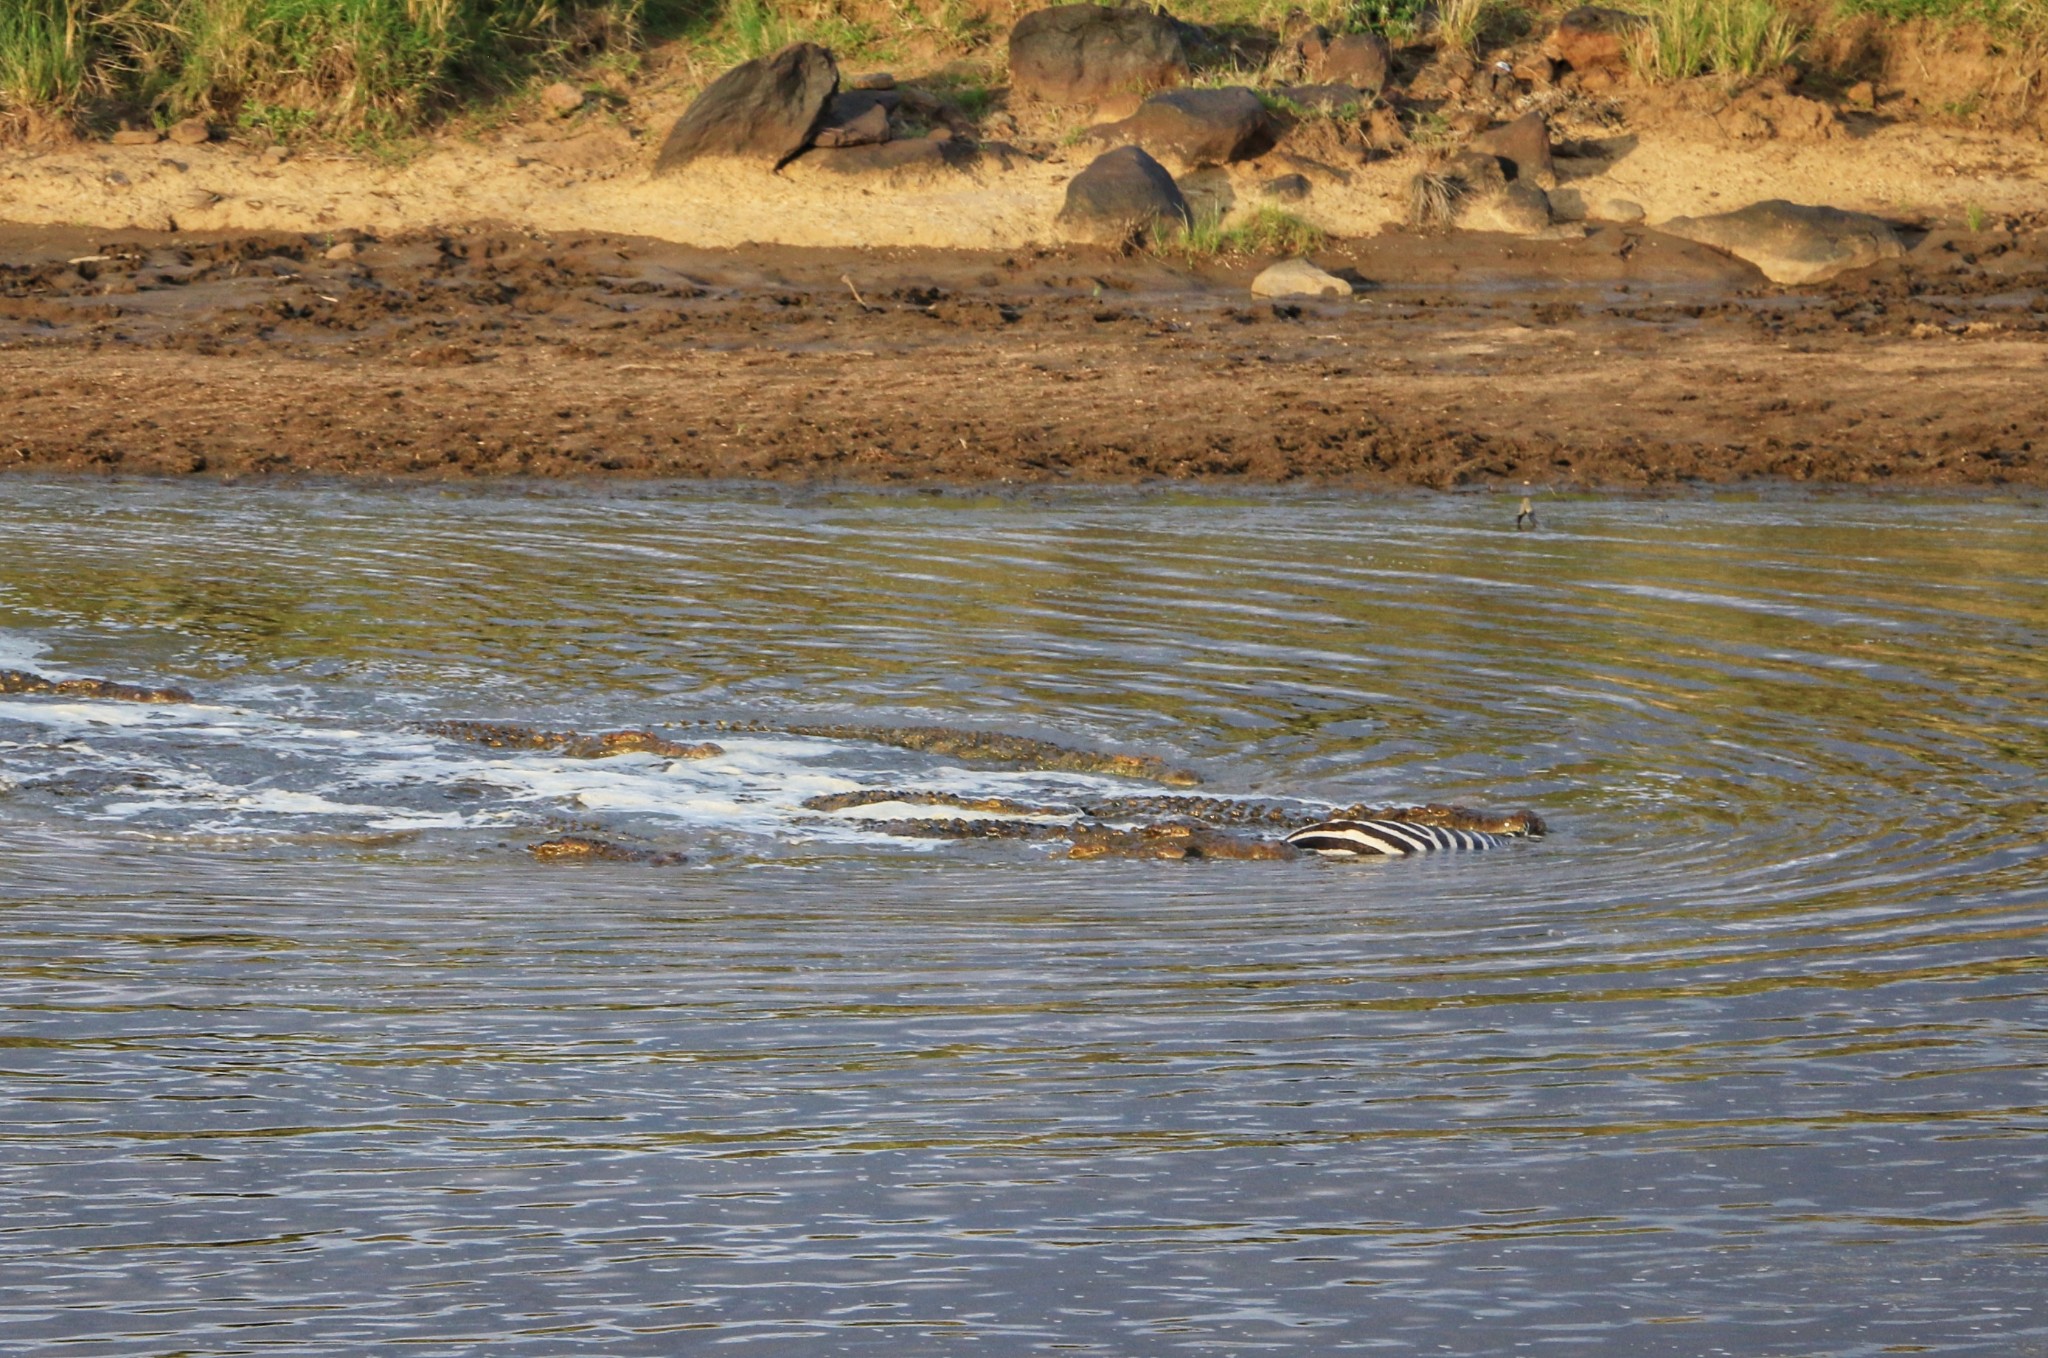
(18, 652)
(215, 772)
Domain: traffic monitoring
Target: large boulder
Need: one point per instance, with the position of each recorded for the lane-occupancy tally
(1524, 144)
(1195, 127)
(1077, 54)
(761, 110)
(1121, 194)
(1791, 242)
(1595, 38)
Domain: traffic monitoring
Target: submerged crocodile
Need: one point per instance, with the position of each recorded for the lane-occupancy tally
(1142, 825)
(1168, 826)
(23, 681)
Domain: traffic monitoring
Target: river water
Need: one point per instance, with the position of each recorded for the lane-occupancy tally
(305, 1054)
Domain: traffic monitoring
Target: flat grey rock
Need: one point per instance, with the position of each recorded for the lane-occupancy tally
(1793, 242)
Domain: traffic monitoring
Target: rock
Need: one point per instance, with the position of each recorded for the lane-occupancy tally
(1194, 127)
(1618, 210)
(915, 157)
(1308, 52)
(761, 110)
(1361, 60)
(1324, 98)
(1481, 174)
(1298, 278)
(872, 80)
(562, 98)
(341, 251)
(1568, 205)
(1861, 95)
(1287, 188)
(852, 121)
(1076, 54)
(1121, 194)
(191, 132)
(1791, 242)
(137, 136)
(274, 156)
(1525, 144)
(1518, 209)
(1595, 38)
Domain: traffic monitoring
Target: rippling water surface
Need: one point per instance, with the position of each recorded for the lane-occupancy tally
(304, 1053)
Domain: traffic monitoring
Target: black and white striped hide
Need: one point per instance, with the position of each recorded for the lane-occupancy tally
(1368, 838)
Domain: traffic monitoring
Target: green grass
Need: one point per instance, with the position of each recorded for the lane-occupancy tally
(344, 66)
(1266, 230)
(1715, 37)
(1998, 16)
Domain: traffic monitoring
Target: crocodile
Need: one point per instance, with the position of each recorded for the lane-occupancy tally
(1138, 825)
(25, 681)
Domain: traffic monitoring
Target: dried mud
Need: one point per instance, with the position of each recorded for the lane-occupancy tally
(1624, 359)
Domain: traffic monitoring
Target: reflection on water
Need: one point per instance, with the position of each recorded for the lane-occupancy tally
(298, 1053)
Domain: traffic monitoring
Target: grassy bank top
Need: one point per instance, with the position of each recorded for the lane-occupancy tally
(371, 69)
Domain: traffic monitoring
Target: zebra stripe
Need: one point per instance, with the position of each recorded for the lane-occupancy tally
(1395, 838)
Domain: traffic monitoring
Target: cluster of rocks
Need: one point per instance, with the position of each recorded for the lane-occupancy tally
(776, 108)
(1133, 67)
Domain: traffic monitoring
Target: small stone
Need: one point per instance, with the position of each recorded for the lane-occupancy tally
(1287, 188)
(137, 136)
(939, 134)
(871, 80)
(562, 98)
(1861, 95)
(1298, 278)
(1619, 210)
(341, 251)
(191, 132)
(274, 156)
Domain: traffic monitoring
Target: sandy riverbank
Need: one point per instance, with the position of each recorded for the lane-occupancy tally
(1626, 358)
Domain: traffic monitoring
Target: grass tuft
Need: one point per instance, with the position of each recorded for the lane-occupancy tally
(345, 67)
(1434, 197)
(1266, 230)
(1686, 38)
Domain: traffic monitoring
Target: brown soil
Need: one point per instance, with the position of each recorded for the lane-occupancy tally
(1626, 358)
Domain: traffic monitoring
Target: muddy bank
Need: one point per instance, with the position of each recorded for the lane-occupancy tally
(1624, 359)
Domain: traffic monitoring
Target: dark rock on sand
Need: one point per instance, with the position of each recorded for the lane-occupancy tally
(1076, 54)
(899, 160)
(1791, 242)
(1121, 194)
(1595, 38)
(761, 110)
(1287, 188)
(1523, 144)
(1195, 127)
